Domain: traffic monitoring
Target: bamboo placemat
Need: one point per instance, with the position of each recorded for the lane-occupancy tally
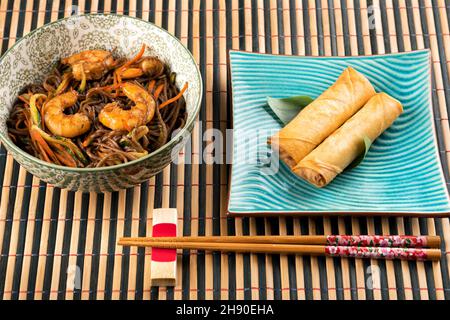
(52, 238)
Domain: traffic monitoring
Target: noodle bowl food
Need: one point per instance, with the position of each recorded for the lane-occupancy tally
(89, 109)
(97, 110)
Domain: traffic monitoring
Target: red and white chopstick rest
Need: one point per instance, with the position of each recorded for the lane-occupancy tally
(163, 270)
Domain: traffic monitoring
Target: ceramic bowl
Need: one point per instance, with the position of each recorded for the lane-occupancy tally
(33, 56)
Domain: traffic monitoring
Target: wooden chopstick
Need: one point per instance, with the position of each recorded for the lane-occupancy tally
(364, 241)
(341, 251)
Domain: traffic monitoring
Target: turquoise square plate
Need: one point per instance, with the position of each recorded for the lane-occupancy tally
(401, 174)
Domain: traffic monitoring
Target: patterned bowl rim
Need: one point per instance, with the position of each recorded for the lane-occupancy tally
(169, 144)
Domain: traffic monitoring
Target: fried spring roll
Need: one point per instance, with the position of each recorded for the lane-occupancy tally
(323, 116)
(333, 155)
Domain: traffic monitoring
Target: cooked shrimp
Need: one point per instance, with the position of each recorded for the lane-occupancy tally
(150, 66)
(116, 118)
(91, 64)
(61, 124)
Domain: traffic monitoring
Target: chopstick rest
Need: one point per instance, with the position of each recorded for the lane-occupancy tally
(163, 270)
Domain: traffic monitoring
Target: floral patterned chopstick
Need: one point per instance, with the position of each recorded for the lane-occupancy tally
(395, 241)
(383, 253)
(283, 248)
(388, 241)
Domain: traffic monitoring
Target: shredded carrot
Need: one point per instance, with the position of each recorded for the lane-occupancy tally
(117, 84)
(117, 79)
(87, 142)
(178, 96)
(64, 157)
(151, 86)
(107, 88)
(129, 63)
(117, 73)
(41, 142)
(43, 154)
(24, 100)
(66, 160)
(158, 91)
(134, 60)
(58, 147)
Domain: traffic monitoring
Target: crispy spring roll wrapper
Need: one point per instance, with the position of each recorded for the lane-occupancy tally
(333, 155)
(323, 116)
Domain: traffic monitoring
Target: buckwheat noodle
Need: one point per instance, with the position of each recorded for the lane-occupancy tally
(102, 146)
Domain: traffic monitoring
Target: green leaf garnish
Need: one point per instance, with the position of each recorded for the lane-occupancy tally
(360, 158)
(287, 108)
